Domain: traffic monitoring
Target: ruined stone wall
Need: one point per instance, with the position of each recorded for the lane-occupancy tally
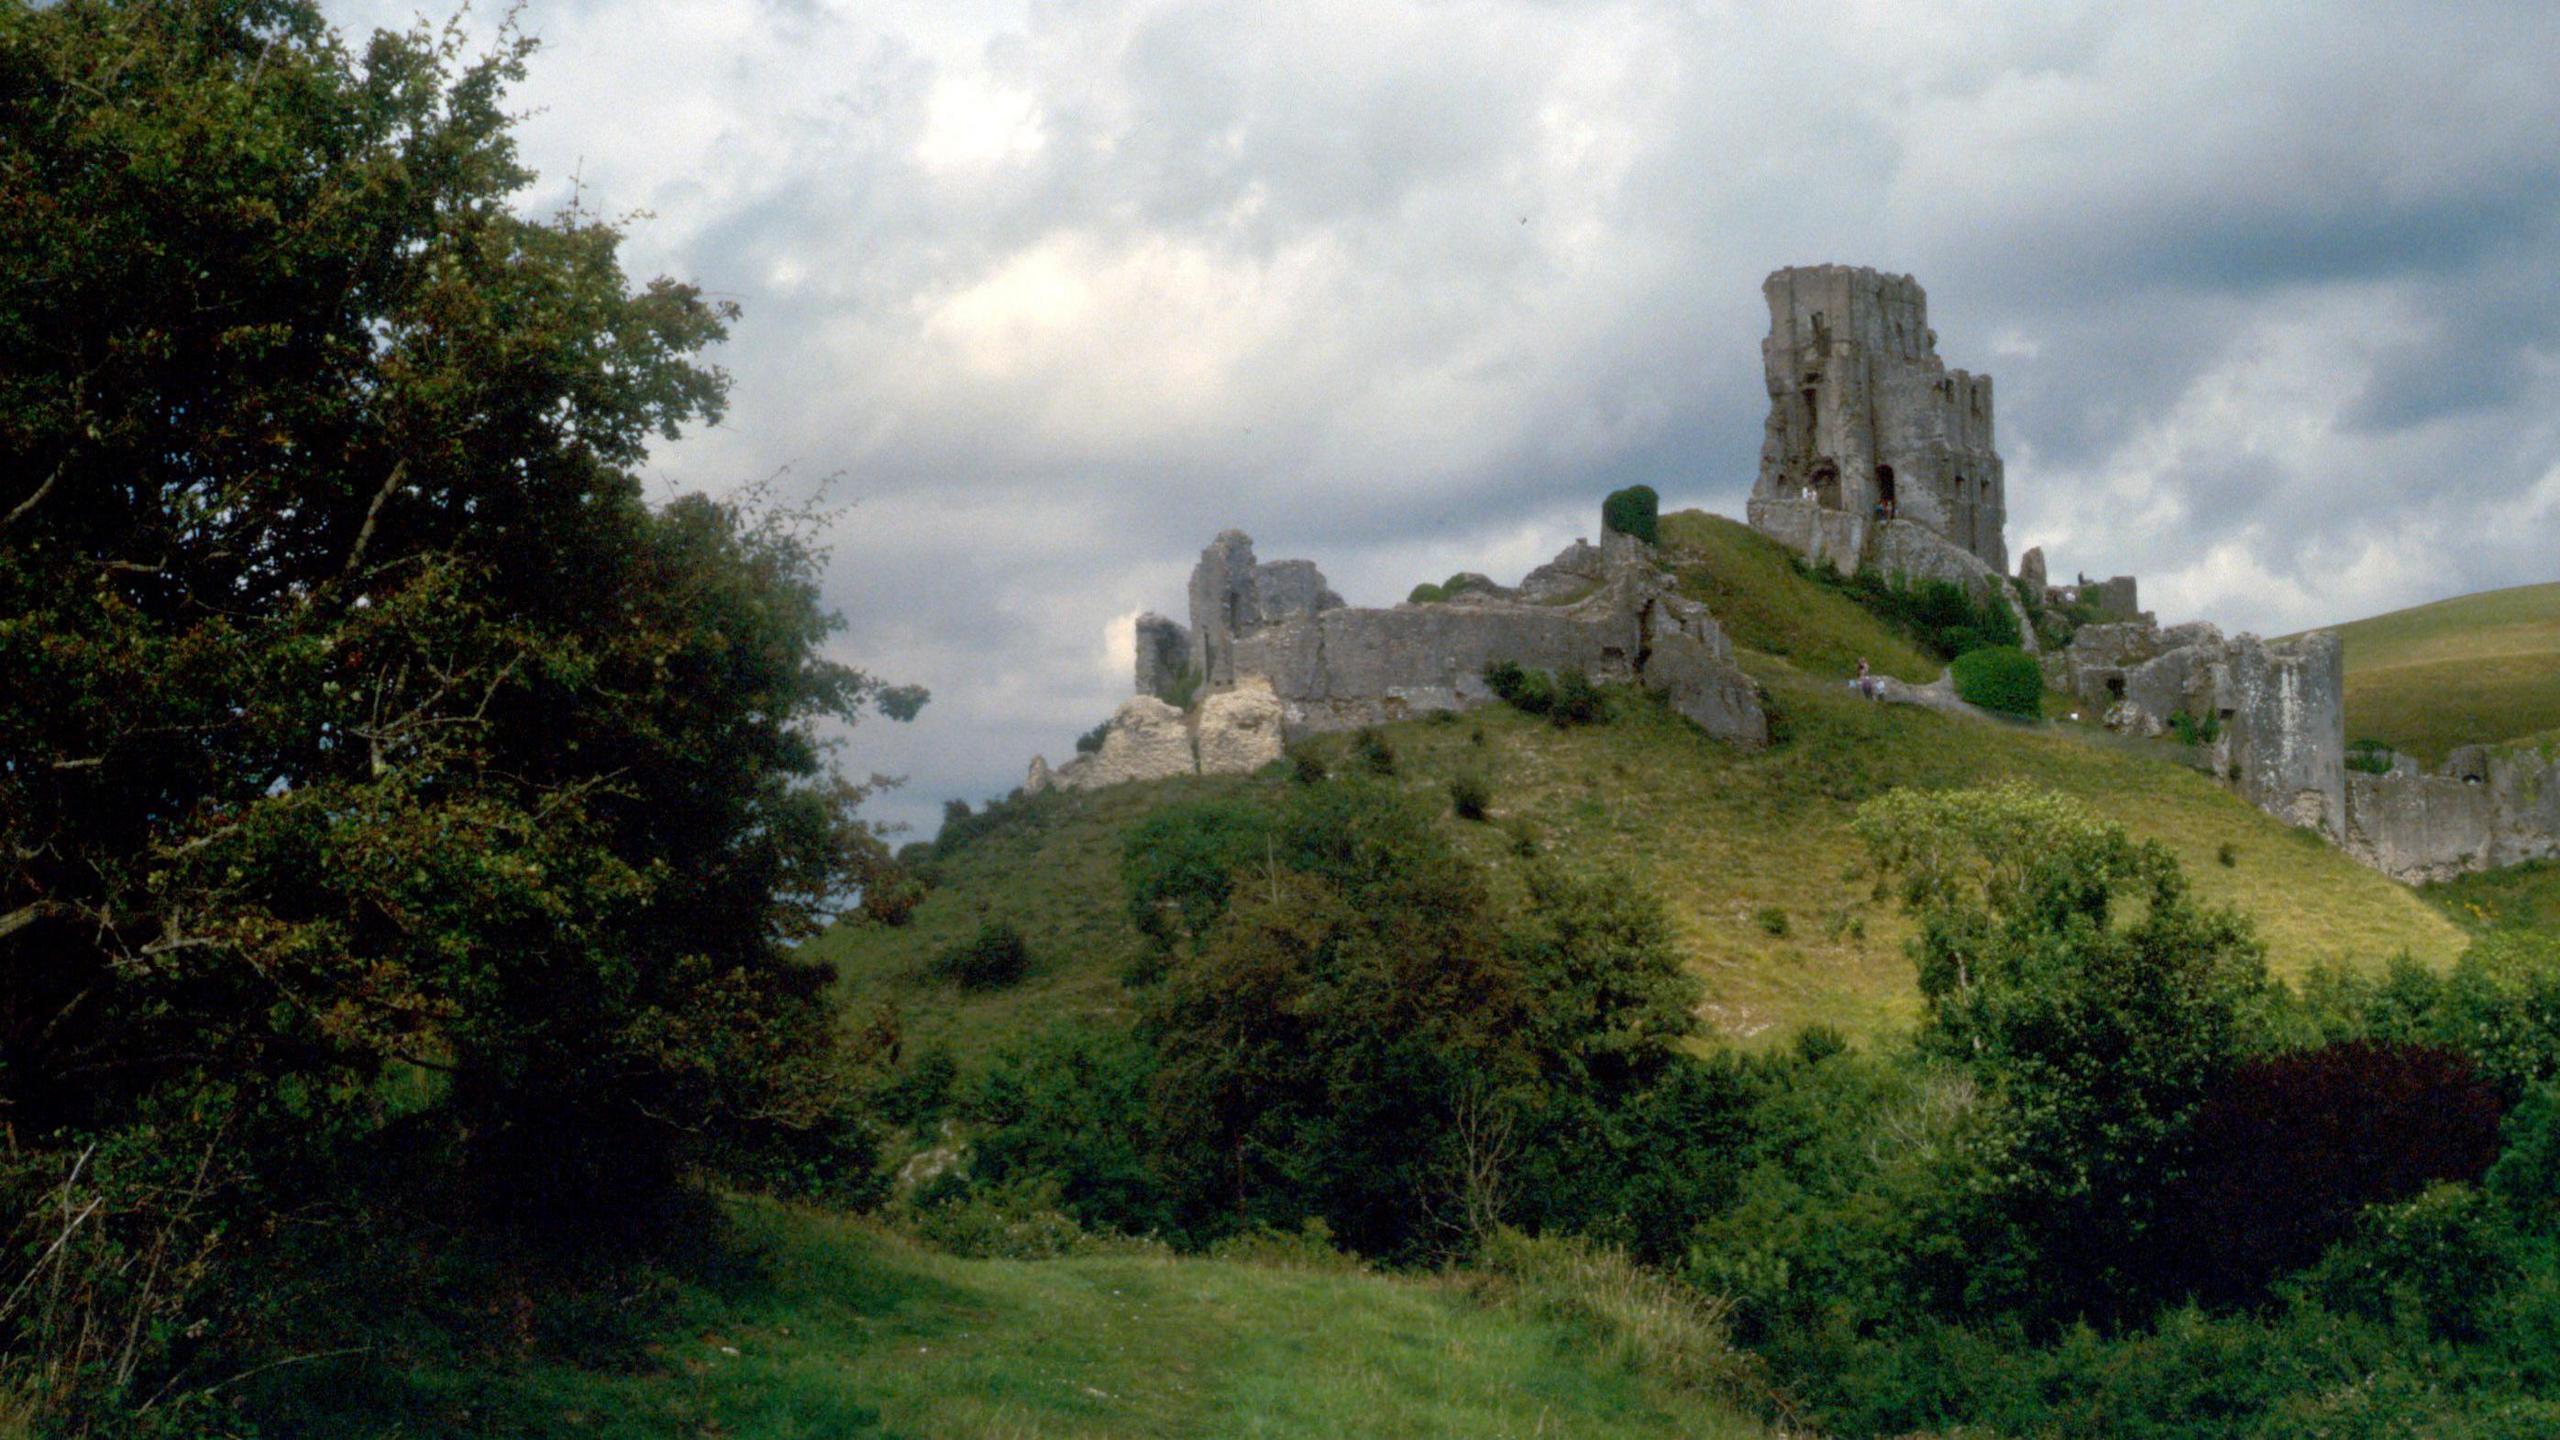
(2483, 808)
(1284, 657)
(2273, 709)
(1860, 406)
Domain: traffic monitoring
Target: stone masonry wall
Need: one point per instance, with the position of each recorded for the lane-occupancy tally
(1284, 657)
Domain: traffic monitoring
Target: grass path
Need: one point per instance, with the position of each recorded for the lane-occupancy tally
(842, 1330)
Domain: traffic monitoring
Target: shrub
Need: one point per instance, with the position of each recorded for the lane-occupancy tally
(2193, 730)
(1306, 767)
(1523, 835)
(1426, 593)
(2003, 679)
(1635, 511)
(2372, 757)
(990, 960)
(1940, 614)
(1469, 795)
(2227, 855)
(1772, 920)
(1577, 701)
(1179, 865)
(2287, 1148)
(1374, 753)
(1090, 742)
(1567, 697)
(1067, 1108)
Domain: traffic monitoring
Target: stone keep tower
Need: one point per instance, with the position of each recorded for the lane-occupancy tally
(1861, 411)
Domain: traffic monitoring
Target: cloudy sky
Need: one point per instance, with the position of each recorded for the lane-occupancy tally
(1062, 289)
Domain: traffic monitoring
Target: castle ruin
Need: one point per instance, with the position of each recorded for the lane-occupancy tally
(1273, 654)
(1875, 456)
(1872, 443)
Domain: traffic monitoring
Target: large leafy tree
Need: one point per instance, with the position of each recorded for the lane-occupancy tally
(2069, 965)
(371, 754)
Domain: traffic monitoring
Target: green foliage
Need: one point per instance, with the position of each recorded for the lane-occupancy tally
(1426, 593)
(2370, 757)
(1306, 764)
(1470, 796)
(1067, 1108)
(1635, 511)
(1180, 864)
(1184, 688)
(2001, 678)
(1373, 752)
(1940, 614)
(2193, 730)
(378, 759)
(1565, 697)
(2101, 1035)
(1632, 1317)
(1367, 1038)
(1772, 920)
(1090, 742)
(992, 959)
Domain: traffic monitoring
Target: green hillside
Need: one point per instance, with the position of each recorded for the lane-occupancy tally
(843, 1330)
(1751, 853)
(2477, 669)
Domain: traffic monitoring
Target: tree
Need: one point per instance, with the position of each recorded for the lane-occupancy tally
(2068, 965)
(373, 759)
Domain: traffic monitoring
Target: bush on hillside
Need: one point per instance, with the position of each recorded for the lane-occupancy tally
(1373, 752)
(2004, 679)
(2287, 1148)
(1470, 795)
(1566, 698)
(1090, 742)
(1179, 865)
(1940, 614)
(992, 959)
(1635, 511)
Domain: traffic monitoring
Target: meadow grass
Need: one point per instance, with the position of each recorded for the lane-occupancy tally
(2519, 897)
(2476, 669)
(837, 1328)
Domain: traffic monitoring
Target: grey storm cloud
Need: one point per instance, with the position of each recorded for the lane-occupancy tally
(1060, 289)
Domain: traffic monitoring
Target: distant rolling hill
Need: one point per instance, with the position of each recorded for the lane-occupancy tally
(1769, 892)
(2476, 669)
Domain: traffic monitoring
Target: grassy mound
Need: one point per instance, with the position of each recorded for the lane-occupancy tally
(1749, 581)
(843, 1330)
(2476, 669)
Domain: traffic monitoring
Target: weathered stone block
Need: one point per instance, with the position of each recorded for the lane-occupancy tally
(1240, 729)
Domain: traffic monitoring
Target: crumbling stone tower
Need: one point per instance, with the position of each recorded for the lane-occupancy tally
(1863, 414)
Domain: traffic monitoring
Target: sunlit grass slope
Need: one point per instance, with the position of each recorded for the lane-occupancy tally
(2476, 669)
(843, 1331)
(1771, 894)
(1748, 581)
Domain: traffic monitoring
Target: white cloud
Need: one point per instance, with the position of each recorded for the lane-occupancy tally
(1065, 289)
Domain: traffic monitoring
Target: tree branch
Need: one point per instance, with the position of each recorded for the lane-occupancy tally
(32, 501)
(372, 513)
